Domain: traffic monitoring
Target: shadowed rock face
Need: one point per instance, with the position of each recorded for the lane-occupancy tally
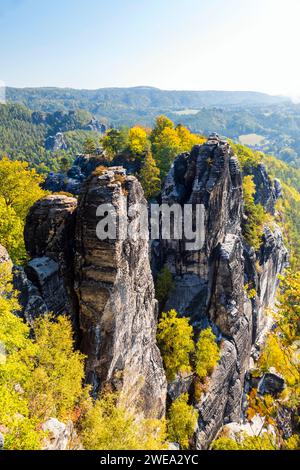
(209, 283)
(49, 240)
(116, 299)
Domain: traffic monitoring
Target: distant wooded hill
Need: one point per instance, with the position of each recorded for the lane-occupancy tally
(264, 122)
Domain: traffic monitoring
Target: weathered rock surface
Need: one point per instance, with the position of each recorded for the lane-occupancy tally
(267, 193)
(56, 142)
(30, 297)
(271, 384)
(116, 298)
(71, 182)
(60, 436)
(49, 240)
(96, 126)
(256, 427)
(209, 283)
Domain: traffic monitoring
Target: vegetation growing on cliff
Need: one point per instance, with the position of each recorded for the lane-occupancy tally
(281, 349)
(19, 190)
(175, 339)
(182, 420)
(164, 285)
(280, 354)
(40, 377)
(207, 353)
(264, 442)
(255, 213)
(150, 177)
(108, 426)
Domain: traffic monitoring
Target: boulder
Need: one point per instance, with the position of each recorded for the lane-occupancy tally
(271, 383)
(60, 436)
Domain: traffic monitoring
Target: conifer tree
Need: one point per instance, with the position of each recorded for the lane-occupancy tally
(149, 176)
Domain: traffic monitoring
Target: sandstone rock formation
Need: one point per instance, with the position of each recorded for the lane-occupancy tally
(71, 182)
(56, 142)
(116, 298)
(60, 436)
(49, 240)
(107, 285)
(209, 283)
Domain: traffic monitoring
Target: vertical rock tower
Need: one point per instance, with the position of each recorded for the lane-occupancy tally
(209, 283)
(117, 308)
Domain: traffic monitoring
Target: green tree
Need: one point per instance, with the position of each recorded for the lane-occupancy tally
(54, 387)
(182, 420)
(19, 190)
(164, 284)
(39, 377)
(149, 177)
(90, 146)
(115, 142)
(288, 308)
(168, 142)
(253, 227)
(207, 353)
(20, 186)
(175, 340)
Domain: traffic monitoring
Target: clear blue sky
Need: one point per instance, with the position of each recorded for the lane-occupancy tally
(171, 44)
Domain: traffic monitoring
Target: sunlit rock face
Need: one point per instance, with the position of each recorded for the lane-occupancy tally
(209, 282)
(106, 287)
(116, 298)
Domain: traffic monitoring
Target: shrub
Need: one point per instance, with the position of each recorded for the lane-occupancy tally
(293, 443)
(207, 353)
(109, 426)
(175, 339)
(182, 421)
(164, 285)
(225, 443)
(263, 442)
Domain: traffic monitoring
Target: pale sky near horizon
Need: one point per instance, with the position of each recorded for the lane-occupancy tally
(169, 44)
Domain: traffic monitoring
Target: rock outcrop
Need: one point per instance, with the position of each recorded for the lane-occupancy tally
(49, 240)
(106, 287)
(56, 142)
(209, 282)
(116, 298)
(60, 436)
(71, 182)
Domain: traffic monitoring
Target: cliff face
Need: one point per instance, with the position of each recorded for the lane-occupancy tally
(209, 283)
(116, 298)
(105, 286)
